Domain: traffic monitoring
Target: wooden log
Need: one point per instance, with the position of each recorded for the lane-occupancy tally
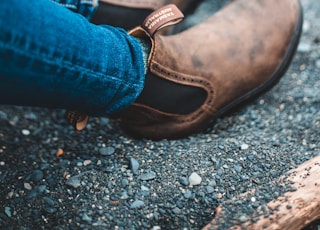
(293, 210)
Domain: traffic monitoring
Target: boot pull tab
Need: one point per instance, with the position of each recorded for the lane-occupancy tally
(163, 17)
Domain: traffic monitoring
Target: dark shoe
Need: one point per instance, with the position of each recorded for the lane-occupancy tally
(200, 74)
(128, 14)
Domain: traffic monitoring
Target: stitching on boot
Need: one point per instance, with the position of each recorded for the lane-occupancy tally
(209, 103)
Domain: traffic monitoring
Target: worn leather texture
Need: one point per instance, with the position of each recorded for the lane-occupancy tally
(239, 52)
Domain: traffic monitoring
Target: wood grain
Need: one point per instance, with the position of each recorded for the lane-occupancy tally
(294, 209)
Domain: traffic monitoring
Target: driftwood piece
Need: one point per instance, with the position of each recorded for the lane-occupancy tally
(293, 210)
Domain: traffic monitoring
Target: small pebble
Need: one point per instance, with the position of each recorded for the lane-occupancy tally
(147, 176)
(244, 146)
(210, 189)
(87, 162)
(184, 181)
(124, 195)
(41, 188)
(107, 151)
(124, 182)
(27, 186)
(243, 219)
(36, 176)
(144, 188)
(48, 201)
(176, 210)
(7, 211)
(25, 132)
(137, 204)
(104, 121)
(306, 26)
(195, 179)
(237, 168)
(213, 183)
(304, 47)
(59, 152)
(86, 218)
(74, 182)
(134, 165)
(187, 194)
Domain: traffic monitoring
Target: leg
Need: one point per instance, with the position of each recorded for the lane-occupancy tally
(52, 57)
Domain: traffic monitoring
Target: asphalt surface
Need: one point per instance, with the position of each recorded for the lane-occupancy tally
(52, 177)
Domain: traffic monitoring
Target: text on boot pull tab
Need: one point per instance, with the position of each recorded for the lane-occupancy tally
(165, 16)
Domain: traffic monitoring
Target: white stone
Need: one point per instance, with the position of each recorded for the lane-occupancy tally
(244, 147)
(304, 47)
(195, 179)
(25, 132)
(27, 186)
(306, 26)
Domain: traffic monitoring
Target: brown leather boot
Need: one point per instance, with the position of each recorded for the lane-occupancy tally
(201, 73)
(128, 14)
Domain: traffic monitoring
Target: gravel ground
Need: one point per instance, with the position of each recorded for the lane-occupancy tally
(53, 177)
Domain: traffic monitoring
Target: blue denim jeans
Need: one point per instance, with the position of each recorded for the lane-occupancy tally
(84, 7)
(53, 57)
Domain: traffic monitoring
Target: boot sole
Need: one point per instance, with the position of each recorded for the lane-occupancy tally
(279, 73)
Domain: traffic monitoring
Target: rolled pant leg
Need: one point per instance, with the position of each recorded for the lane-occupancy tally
(52, 57)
